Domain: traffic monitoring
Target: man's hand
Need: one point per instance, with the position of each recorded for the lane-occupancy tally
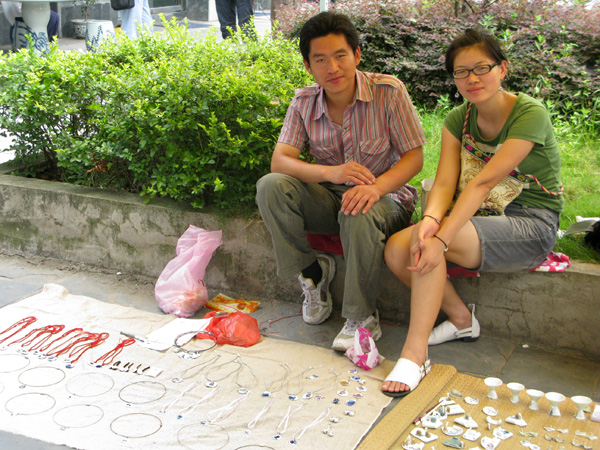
(360, 198)
(351, 172)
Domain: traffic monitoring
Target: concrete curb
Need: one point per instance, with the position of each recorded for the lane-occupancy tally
(117, 230)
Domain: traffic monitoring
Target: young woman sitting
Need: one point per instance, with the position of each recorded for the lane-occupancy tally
(491, 208)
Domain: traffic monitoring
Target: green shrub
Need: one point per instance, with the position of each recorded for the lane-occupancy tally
(165, 115)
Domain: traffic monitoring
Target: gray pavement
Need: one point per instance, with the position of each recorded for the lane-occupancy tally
(23, 275)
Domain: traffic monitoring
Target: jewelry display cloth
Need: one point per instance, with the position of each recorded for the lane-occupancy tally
(396, 426)
(91, 403)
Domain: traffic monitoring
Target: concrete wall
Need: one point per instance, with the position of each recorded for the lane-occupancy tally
(118, 231)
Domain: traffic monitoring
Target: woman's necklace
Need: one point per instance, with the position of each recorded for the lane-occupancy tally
(212, 382)
(244, 389)
(294, 395)
(261, 413)
(272, 387)
(283, 425)
(326, 387)
(200, 367)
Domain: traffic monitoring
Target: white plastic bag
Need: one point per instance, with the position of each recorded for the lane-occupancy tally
(180, 288)
(364, 352)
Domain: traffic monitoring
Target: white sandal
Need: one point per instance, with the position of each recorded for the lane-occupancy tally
(446, 331)
(409, 373)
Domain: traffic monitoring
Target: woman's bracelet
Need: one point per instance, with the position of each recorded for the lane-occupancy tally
(431, 217)
(442, 241)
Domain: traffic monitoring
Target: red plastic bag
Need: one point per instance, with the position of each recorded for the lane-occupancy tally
(237, 328)
(180, 289)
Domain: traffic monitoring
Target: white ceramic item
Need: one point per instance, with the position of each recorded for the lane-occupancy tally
(555, 399)
(493, 383)
(515, 388)
(581, 402)
(535, 395)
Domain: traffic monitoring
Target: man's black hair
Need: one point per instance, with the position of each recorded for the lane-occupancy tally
(327, 23)
(474, 37)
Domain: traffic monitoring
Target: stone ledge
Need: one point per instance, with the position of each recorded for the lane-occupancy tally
(117, 230)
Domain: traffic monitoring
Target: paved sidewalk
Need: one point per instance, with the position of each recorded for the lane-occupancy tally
(24, 275)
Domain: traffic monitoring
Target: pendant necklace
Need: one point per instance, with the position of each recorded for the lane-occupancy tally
(283, 425)
(244, 389)
(212, 382)
(298, 434)
(165, 408)
(261, 413)
(190, 409)
(199, 368)
(272, 387)
(326, 387)
(294, 395)
(219, 414)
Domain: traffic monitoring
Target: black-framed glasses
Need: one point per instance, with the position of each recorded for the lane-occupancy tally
(479, 70)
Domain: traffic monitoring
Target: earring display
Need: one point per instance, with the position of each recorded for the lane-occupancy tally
(135, 425)
(142, 392)
(77, 416)
(41, 376)
(29, 404)
(200, 436)
(13, 362)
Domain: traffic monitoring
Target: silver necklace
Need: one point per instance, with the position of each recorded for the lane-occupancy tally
(212, 382)
(326, 387)
(282, 427)
(244, 389)
(143, 419)
(184, 375)
(219, 414)
(74, 417)
(298, 434)
(294, 395)
(271, 388)
(261, 413)
(190, 409)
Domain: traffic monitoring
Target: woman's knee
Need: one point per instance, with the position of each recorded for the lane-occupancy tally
(397, 251)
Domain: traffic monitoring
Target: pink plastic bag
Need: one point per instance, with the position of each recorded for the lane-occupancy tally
(364, 352)
(180, 288)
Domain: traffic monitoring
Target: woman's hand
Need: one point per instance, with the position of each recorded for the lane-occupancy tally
(420, 232)
(429, 255)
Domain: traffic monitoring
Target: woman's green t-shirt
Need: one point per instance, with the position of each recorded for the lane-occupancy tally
(528, 120)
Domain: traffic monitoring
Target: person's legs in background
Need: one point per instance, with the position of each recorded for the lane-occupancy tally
(53, 25)
(244, 14)
(226, 15)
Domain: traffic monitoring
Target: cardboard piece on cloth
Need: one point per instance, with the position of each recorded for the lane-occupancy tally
(56, 306)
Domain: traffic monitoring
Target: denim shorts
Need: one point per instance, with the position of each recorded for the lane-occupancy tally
(521, 239)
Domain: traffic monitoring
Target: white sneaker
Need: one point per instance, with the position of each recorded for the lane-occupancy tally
(345, 338)
(317, 304)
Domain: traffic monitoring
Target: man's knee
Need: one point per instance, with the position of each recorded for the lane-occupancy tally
(272, 186)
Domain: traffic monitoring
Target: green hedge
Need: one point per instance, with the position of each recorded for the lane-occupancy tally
(165, 115)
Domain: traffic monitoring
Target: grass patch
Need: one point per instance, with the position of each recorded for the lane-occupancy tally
(580, 175)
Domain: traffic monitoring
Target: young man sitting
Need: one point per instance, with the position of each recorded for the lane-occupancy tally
(366, 139)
